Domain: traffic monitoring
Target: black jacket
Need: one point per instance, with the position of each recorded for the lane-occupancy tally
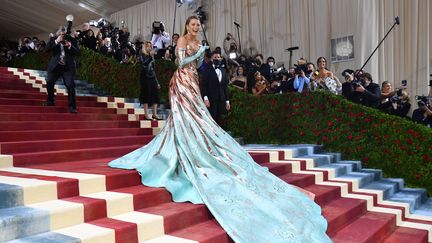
(211, 87)
(370, 97)
(70, 54)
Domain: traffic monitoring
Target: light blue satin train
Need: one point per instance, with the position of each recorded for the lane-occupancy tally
(197, 161)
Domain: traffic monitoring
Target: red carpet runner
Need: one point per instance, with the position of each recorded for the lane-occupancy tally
(60, 175)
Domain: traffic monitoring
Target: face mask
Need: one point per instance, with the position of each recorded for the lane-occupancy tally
(217, 63)
(271, 64)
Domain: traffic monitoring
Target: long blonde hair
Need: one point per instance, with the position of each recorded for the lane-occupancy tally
(188, 20)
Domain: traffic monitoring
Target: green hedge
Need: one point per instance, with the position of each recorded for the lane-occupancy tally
(396, 145)
(37, 61)
(107, 74)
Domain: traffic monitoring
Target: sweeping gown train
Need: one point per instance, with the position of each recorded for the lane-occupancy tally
(197, 161)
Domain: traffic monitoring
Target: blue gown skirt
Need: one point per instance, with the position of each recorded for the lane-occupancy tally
(197, 161)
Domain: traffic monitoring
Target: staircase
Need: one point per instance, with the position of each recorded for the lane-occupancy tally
(55, 185)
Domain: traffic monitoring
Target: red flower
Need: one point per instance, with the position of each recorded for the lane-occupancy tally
(426, 158)
(409, 141)
(330, 123)
(368, 119)
(302, 133)
(350, 137)
(257, 130)
(366, 160)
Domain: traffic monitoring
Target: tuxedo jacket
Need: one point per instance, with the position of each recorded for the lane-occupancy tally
(56, 51)
(211, 87)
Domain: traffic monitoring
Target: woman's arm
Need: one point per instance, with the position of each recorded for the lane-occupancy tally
(181, 53)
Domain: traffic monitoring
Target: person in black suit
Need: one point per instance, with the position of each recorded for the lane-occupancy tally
(215, 87)
(361, 89)
(62, 64)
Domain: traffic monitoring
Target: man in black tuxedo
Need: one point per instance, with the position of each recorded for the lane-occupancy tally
(62, 64)
(215, 87)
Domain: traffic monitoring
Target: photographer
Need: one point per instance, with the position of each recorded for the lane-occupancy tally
(423, 114)
(387, 92)
(83, 37)
(398, 105)
(63, 49)
(347, 86)
(107, 49)
(24, 46)
(230, 47)
(171, 50)
(390, 96)
(361, 89)
(267, 69)
(124, 35)
(301, 73)
(160, 38)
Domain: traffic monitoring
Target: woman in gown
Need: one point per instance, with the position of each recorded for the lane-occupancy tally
(325, 78)
(197, 161)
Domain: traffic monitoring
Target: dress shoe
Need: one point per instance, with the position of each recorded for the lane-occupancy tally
(156, 117)
(147, 118)
(72, 110)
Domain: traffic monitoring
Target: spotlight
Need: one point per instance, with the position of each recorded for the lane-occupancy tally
(70, 18)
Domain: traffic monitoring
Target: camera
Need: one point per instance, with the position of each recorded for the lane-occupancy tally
(228, 37)
(158, 27)
(422, 100)
(67, 36)
(347, 74)
(278, 73)
(357, 83)
(395, 99)
(301, 67)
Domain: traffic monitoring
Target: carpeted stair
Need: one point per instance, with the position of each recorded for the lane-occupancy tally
(55, 185)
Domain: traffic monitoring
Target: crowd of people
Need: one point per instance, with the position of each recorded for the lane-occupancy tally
(250, 74)
(10, 50)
